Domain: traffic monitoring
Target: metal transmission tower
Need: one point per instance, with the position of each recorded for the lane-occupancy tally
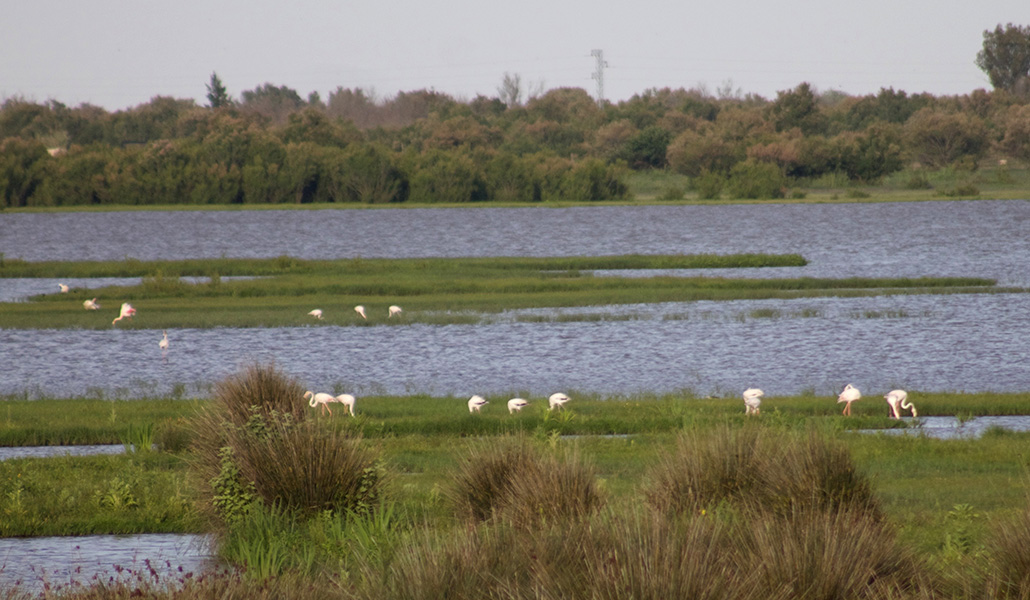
(599, 74)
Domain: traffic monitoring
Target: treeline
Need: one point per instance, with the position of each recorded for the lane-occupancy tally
(272, 146)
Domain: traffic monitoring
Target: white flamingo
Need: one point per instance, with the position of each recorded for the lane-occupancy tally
(164, 342)
(516, 405)
(394, 310)
(320, 398)
(360, 310)
(557, 400)
(317, 313)
(91, 304)
(126, 312)
(898, 401)
(476, 403)
(64, 288)
(849, 395)
(347, 401)
(752, 400)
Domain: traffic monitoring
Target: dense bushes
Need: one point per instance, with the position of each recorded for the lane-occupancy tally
(273, 147)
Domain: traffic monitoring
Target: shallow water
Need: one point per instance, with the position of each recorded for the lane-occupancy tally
(927, 343)
(11, 452)
(947, 428)
(35, 564)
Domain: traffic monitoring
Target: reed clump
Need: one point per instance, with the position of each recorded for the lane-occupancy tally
(1007, 574)
(255, 445)
(515, 482)
(759, 470)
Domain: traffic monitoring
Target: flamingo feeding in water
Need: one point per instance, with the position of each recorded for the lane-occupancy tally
(752, 400)
(557, 400)
(898, 401)
(317, 313)
(394, 310)
(849, 395)
(360, 310)
(516, 405)
(320, 398)
(91, 304)
(476, 403)
(64, 288)
(126, 312)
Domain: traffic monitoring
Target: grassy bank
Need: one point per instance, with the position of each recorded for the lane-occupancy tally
(941, 500)
(434, 291)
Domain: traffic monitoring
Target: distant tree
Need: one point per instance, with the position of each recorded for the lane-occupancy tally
(938, 138)
(275, 103)
(510, 90)
(647, 149)
(217, 96)
(797, 108)
(1006, 58)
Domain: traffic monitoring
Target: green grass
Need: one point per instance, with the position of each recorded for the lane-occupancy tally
(432, 291)
(943, 497)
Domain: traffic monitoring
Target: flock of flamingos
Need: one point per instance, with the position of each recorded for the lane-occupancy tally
(897, 400)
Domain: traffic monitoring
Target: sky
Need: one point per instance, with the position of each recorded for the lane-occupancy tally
(118, 54)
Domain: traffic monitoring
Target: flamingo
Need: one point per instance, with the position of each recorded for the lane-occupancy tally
(64, 288)
(164, 342)
(317, 313)
(898, 401)
(557, 400)
(849, 395)
(91, 304)
(752, 400)
(476, 403)
(360, 310)
(320, 398)
(126, 312)
(516, 405)
(347, 401)
(394, 310)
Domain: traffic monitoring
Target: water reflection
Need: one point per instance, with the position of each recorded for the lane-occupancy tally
(945, 427)
(35, 564)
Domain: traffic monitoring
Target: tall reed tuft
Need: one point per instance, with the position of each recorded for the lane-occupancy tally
(259, 389)
(515, 482)
(1008, 568)
(826, 554)
(757, 469)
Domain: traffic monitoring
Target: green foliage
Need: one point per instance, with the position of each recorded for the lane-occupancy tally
(1005, 57)
(709, 185)
(756, 180)
(217, 96)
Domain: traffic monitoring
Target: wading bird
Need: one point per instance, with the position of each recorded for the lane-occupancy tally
(752, 400)
(91, 304)
(317, 313)
(126, 312)
(557, 400)
(347, 401)
(394, 310)
(64, 288)
(320, 398)
(849, 395)
(360, 310)
(516, 405)
(164, 342)
(898, 401)
(476, 403)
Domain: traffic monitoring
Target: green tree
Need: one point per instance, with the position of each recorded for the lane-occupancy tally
(217, 96)
(1005, 58)
(797, 108)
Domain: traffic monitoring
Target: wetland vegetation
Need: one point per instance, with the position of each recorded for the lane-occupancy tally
(416, 498)
(431, 290)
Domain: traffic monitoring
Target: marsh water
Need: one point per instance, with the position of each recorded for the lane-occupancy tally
(929, 342)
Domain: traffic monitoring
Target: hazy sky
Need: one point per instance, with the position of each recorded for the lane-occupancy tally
(121, 53)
